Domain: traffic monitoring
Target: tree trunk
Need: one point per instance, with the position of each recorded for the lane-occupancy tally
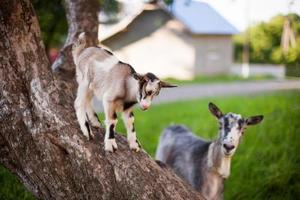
(40, 139)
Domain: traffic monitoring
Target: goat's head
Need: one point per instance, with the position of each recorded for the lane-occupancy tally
(232, 127)
(149, 86)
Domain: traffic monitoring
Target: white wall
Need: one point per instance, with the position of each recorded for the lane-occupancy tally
(213, 54)
(164, 53)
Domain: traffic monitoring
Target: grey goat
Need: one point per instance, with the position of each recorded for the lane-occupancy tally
(99, 73)
(204, 164)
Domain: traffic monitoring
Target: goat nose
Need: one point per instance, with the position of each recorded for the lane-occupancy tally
(144, 106)
(228, 147)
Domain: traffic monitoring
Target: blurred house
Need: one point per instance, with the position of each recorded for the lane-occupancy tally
(181, 41)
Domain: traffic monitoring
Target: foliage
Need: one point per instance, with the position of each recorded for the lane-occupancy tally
(110, 10)
(292, 57)
(168, 2)
(265, 41)
(292, 70)
(110, 6)
(53, 22)
(11, 188)
(266, 165)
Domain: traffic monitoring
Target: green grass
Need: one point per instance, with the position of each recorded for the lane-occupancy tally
(267, 163)
(11, 188)
(219, 79)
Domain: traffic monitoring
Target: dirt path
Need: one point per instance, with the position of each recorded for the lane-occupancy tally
(189, 92)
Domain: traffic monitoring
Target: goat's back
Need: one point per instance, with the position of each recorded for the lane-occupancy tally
(169, 140)
(183, 152)
(174, 139)
(90, 55)
(104, 72)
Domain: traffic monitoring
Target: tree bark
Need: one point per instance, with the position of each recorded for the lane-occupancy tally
(40, 139)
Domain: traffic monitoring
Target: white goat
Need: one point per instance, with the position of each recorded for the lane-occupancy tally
(204, 164)
(99, 73)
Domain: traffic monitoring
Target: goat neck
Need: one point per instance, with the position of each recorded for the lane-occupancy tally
(217, 162)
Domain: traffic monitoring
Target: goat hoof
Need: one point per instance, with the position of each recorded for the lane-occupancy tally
(134, 146)
(110, 145)
(135, 149)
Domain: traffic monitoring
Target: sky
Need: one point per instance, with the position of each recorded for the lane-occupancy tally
(235, 11)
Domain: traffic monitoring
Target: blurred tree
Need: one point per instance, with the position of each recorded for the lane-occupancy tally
(110, 6)
(53, 22)
(265, 41)
(110, 10)
(292, 58)
(168, 2)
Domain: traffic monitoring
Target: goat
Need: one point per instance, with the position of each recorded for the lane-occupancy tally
(204, 164)
(99, 73)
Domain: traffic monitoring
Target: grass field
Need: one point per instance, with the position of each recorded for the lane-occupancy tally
(267, 163)
(220, 79)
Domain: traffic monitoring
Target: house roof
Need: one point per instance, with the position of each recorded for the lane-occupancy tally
(200, 18)
(107, 31)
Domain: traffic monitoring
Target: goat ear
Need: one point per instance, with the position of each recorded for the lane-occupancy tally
(138, 77)
(254, 120)
(166, 85)
(215, 110)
